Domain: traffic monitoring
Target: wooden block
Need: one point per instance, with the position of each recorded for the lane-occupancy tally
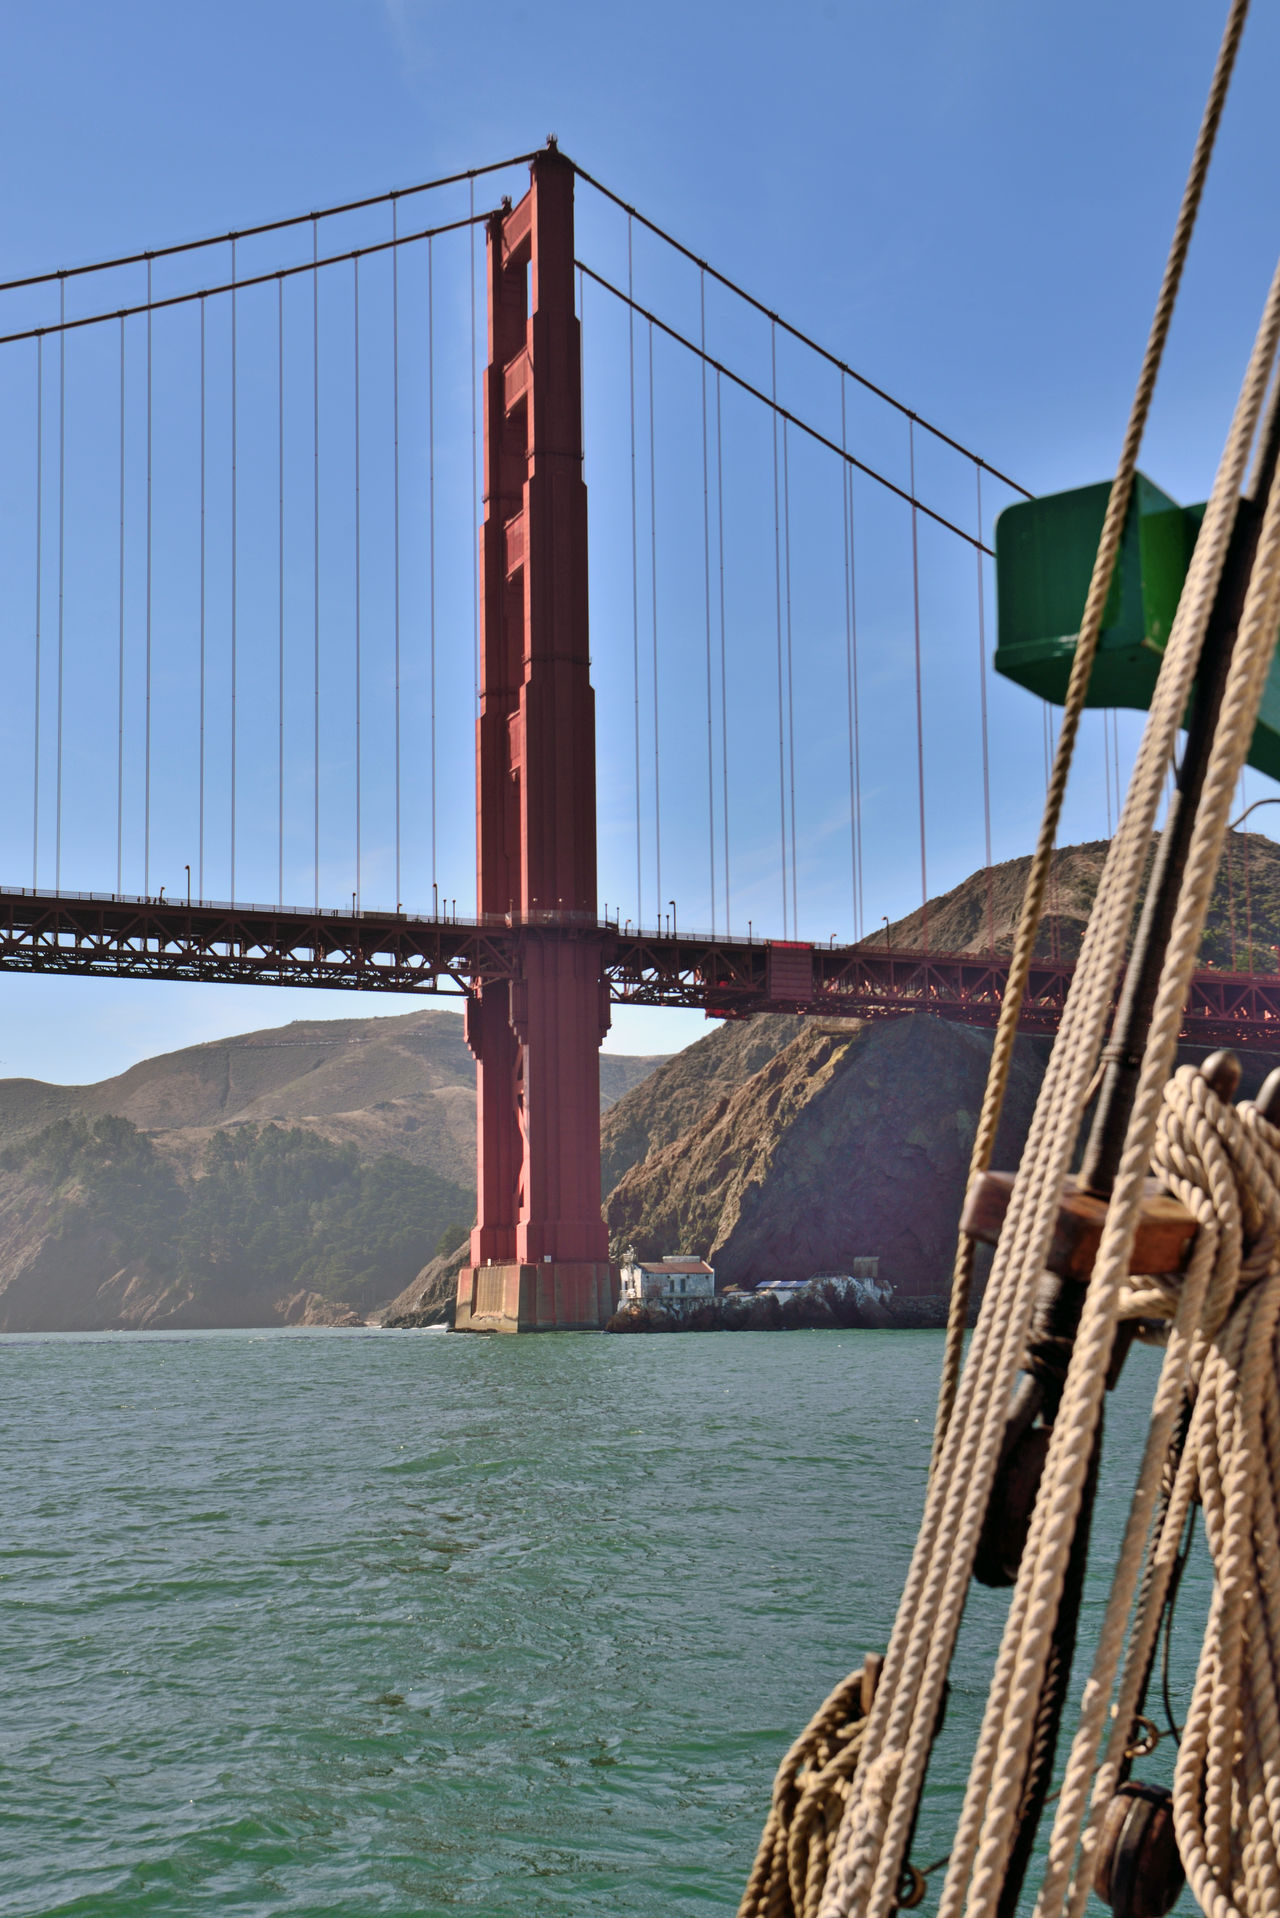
(1165, 1234)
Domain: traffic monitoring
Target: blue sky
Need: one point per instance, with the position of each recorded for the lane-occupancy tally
(968, 202)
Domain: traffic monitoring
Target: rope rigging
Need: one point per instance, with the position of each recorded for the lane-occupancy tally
(1222, 1163)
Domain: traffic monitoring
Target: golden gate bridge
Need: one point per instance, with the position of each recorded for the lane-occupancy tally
(238, 648)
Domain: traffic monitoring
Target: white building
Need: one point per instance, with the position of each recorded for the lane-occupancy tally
(676, 1283)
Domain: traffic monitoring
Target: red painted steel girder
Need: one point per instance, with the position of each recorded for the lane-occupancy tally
(99, 934)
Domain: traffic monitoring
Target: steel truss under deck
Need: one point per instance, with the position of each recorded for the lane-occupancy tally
(100, 935)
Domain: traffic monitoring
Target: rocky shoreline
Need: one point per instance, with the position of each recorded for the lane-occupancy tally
(743, 1312)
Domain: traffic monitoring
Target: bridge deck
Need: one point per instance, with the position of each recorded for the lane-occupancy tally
(87, 934)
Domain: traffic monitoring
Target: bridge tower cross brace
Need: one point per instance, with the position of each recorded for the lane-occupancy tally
(539, 1251)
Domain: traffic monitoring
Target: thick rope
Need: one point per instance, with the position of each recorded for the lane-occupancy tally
(865, 1870)
(1024, 1649)
(809, 1795)
(1078, 685)
(1223, 1163)
(1250, 662)
(867, 1854)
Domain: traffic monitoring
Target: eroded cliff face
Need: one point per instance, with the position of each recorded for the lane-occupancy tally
(852, 1140)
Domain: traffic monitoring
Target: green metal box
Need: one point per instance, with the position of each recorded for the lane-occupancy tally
(1044, 560)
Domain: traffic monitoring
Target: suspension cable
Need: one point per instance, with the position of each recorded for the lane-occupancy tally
(915, 602)
(120, 633)
(777, 594)
(986, 744)
(475, 470)
(235, 569)
(395, 523)
(62, 554)
(706, 578)
(795, 332)
(280, 585)
(431, 521)
(203, 599)
(315, 548)
(851, 678)
(832, 446)
(472, 174)
(355, 308)
(635, 579)
(150, 305)
(35, 815)
(791, 695)
(653, 593)
(724, 671)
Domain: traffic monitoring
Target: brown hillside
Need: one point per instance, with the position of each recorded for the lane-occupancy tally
(403, 1085)
(854, 1139)
(1243, 919)
(673, 1097)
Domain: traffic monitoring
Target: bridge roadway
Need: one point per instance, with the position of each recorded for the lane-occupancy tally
(117, 936)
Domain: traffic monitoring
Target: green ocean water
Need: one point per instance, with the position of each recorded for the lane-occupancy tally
(347, 1623)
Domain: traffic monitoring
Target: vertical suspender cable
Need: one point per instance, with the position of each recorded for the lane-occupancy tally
(986, 744)
(915, 597)
(777, 587)
(791, 694)
(851, 674)
(120, 644)
(235, 560)
(203, 613)
(1106, 762)
(706, 576)
(355, 334)
(280, 594)
(653, 592)
(724, 671)
(35, 810)
(395, 522)
(315, 548)
(146, 710)
(635, 565)
(475, 470)
(431, 537)
(62, 528)
(1248, 888)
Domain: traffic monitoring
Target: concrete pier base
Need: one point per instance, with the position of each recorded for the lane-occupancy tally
(552, 1297)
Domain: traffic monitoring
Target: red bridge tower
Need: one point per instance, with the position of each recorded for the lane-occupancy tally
(540, 1256)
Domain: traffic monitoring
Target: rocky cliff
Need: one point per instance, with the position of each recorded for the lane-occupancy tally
(852, 1140)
